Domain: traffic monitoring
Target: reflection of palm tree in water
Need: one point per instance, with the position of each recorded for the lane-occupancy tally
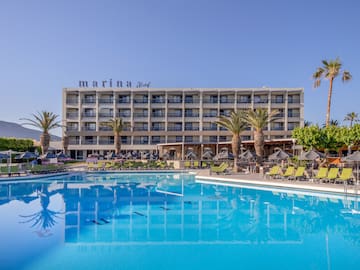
(44, 219)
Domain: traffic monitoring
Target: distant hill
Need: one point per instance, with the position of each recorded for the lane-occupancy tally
(13, 130)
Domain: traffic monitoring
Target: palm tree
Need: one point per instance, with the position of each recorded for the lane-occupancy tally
(235, 123)
(352, 117)
(45, 121)
(259, 119)
(330, 70)
(117, 125)
(332, 122)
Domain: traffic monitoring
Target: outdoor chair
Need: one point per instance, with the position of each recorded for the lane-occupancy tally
(299, 174)
(274, 172)
(288, 173)
(321, 174)
(332, 175)
(345, 176)
(187, 164)
(196, 164)
(219, 169)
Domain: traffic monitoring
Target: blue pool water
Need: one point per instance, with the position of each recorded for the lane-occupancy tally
(170, 221)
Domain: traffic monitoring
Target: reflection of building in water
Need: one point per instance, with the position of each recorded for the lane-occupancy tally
(134, 212)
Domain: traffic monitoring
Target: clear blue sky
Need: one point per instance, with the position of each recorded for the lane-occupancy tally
(47, 45)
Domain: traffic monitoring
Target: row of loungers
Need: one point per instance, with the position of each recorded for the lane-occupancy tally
(328, 175)
(127, 165)
(15, 170)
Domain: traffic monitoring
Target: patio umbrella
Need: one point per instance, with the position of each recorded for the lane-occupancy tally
(311, 155)
(48, 155)
(247, 156)
(129, 155)
(208, 155)
(3, 156)
(354, 157)
(190, 155)
(279, 155)
(62, 156)
(27, 155)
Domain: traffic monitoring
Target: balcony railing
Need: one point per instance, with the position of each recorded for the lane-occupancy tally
(209, 114)
(88, 129)
(105, 128)
(88, 115)
(141, 101)
(293, 114)
(292, 101)
(72, 115)
(191, 128)
(192, 100)
(277, 101)
(72, 128)
(72, 101)
(210, 101)
(227, 101)
(140, 141)
(141, 114)
(174, 100)
(106, 100)
(74, 142)
(158, 128)
(191, 114)
(277, 128)
(174, 128)
(140, 129)
(174, 114)
(106, 142)
(89, 142)
(106, 115)
(261, 101)
(89, 101)
(123, 101)
(209, 128)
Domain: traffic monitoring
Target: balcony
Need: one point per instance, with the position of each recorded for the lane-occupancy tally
(277, 101)
(174, 128)
(89, 101)
(140, 129)
(106, 142)
(105, 128)
(294, 101)
(191, 114)
(106, 101)
(157, 128)
(227, 101)
(174, 114)
(261, 101)
(141, 100)
(74, 142)
(192, 100)
(109, 115)
(210, 101)
(88, 115)
(72, 115)
(136, 141)
(191, 128)
(123, 101)
(209, 128)
(72, 101)
(175, 100)
(293, 114)
(205, 114)
(141, 114)
(277, 128)
(88, 129)
(89, 142)
(72, 128)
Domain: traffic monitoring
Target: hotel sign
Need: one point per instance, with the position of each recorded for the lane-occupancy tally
(111, 83)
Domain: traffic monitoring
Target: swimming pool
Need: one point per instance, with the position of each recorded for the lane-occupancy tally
(169, 221)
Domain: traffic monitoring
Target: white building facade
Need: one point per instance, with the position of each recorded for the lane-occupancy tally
(155, 116)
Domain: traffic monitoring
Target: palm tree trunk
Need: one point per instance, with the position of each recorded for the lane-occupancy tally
(329, 102)
(117, 143)
(65, 141)
(259, 145)
(235, 145)
(44, 142)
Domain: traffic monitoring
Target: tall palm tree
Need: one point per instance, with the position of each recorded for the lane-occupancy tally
(117, 125)
(45, 121)
(330, 70)
(259, 119)
(352, 117)
(235, 123)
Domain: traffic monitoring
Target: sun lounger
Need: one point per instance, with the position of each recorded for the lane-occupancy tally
(288, 173)
(321, 174)
(222, 168)
(345, 176)
(187, 164)
(274, 172)
(196, 164)
(299, 174)
(332, 174)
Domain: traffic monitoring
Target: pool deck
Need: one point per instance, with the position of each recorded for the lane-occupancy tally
(259, 180)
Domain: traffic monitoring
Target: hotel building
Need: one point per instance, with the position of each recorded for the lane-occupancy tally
(169, 116)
